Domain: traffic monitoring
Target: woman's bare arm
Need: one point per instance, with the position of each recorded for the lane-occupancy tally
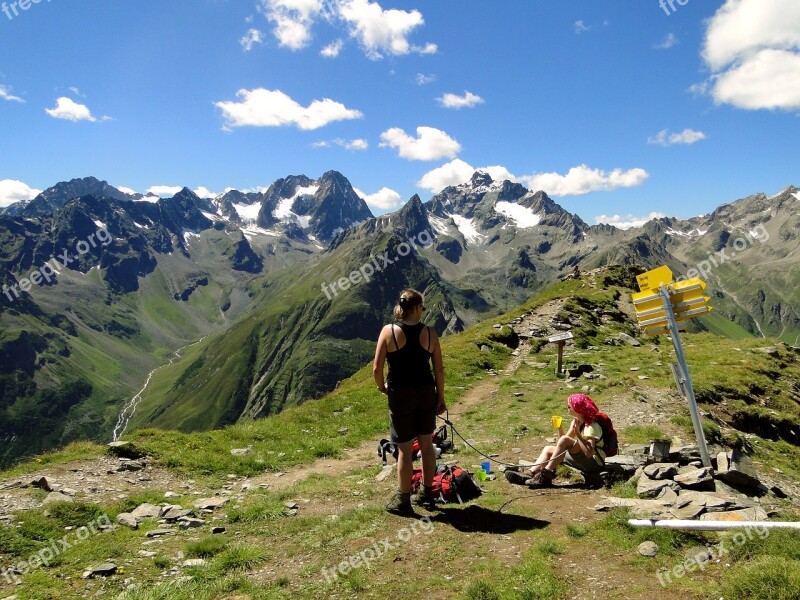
(380, 359)
(438, 373)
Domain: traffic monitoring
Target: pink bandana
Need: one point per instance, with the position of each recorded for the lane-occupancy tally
(585, 406)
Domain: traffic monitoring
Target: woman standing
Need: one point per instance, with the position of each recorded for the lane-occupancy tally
(415, 395)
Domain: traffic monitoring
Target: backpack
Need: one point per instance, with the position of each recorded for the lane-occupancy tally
(450, 484)
(440, 444)
(610, 441)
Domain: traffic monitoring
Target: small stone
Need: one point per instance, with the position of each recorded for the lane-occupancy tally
(290, 504)
(211, 503)
(385, 472)
(128, 520)
(697, 479)
(130, 465)
(56, 497)
(242, 451)
(159, 532)
(649, 549)
(103, 570)
(217, 530)
(125, 450)
(650, 488)
(146, 553)
(171, 495)
(194, 562)
(189, 523)
(661, 470)
(146, 511)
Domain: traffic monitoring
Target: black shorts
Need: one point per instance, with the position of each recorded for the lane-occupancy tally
(412, 412)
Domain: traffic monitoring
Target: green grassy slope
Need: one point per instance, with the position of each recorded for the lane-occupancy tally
(345, 514)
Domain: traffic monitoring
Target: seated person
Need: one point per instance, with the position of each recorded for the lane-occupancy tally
(580, 447)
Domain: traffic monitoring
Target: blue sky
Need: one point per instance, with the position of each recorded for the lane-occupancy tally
(617, 108)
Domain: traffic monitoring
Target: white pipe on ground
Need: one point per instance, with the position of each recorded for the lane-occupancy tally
(712, 525)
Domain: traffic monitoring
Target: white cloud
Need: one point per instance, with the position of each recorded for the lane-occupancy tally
(5, 94)
(293, 20)
(272, 108)
(250, 39)
(581, 27)
(320, 144)
(687, 137)
(668, 42)
(164, 191)
(430, 143)
(71, 111)
(383, 199)
(126, 190)
(584, 180)
(77, 92)
(423, 79)
(579, 180)
(332, 50)
(358, 144)
(381, 32)
(12, 190)
(627, 221)
(453, 173)
(753, 49)
(204, 192)
(468, 100)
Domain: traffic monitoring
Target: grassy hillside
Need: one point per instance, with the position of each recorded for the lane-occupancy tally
(511, 543)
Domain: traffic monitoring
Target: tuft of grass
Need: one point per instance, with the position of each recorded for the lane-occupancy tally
(237, 558)
(770, 577)
(257, 509)
(642, 434)
(162, 562)
(206, 547)
(577, 531)
(481, 590)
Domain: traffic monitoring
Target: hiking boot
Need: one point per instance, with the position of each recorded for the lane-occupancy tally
(400, 505)
(517, 477)
(424, 498)
(542, 478)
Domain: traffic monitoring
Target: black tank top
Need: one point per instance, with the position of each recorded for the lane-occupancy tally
(410, 365)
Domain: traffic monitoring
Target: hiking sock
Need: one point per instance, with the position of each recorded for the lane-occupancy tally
(405, 497)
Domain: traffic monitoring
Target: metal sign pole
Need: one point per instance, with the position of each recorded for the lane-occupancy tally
(687, 380)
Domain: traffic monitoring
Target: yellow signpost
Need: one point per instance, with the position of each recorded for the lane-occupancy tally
(660, 305)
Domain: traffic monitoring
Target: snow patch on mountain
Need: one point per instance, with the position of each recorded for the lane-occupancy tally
(440, 225)
(692, 233)
(467, 229)
(248, 212)
(523, 216)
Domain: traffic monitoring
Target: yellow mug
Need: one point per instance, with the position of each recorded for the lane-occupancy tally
(556, 420)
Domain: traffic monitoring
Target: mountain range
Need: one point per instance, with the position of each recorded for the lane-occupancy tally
(273, 297)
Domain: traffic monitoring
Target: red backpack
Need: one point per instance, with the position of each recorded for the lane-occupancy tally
(610, 441)
(450, 484)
